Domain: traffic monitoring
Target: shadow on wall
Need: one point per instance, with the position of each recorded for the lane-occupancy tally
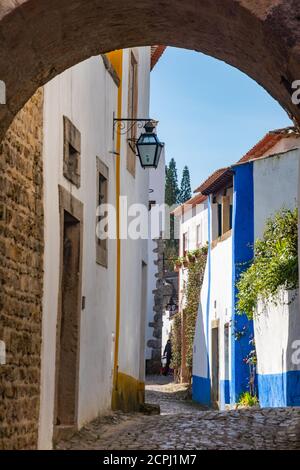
(201, 387)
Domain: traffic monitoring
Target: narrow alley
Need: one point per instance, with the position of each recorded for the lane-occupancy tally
(185, 426)
(149, 227)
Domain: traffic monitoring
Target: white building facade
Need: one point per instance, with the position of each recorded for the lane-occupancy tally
(94, 290)
(241, 199)
(192, 220)
(277, 324)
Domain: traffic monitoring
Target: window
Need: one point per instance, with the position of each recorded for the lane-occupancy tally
(219, 220)
(185, 243)
(132, 110)
(151, 204)
(102, 198)
(198, 236)
(225, 214)
(72, 152)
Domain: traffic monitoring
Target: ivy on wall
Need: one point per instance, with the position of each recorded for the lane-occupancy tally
(275, 263)
(193, 288)
(176, 345)
(195, 263)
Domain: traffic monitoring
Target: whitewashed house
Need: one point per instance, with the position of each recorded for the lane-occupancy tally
(95, 291)
(210, 374)
(240, 199)
(192, 219)
(277, 325)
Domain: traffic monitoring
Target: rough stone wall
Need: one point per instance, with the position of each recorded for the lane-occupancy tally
(153, 365)
(162, 295)
(21, 275)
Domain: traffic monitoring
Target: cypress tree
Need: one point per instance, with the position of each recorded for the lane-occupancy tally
(171, 198)
(171, 190)
(185, 188)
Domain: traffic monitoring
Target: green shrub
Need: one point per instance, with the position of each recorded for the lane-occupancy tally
(246, 399)
(275, 263)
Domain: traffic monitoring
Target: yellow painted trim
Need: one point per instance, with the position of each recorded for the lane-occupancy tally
(130, 394)
(116, 58)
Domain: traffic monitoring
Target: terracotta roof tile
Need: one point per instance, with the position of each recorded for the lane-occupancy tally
(222, 176)
(197, 199)
(217, 179)
(156, 53)
(267, 142)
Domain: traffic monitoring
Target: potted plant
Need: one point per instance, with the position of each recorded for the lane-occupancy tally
(177, 264)
(190, 257)
(197, 253)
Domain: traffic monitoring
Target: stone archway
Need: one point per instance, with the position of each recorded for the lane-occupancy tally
(40, 39)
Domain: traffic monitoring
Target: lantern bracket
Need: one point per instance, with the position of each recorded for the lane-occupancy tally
(123, 126)
(147, 139)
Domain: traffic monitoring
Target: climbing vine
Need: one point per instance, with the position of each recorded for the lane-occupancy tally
(275, 263)
(176, 345)
(193, 287)
(194, 262)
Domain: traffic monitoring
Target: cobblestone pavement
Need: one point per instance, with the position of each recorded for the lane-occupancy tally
(182, 425)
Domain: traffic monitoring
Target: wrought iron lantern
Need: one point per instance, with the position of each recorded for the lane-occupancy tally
(149, 147)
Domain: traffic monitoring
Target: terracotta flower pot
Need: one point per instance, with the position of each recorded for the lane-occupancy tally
(191, 258)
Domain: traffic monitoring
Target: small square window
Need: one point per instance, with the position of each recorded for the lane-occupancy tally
(102, 198)
(72, 152)
(151, 204)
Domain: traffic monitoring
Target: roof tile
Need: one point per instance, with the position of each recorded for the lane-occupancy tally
(221, 176)
(156, 53)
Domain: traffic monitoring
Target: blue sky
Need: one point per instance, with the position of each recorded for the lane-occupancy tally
(210, 114)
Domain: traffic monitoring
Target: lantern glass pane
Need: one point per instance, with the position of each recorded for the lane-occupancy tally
(159, 149)
(148, 139)
(147, 154)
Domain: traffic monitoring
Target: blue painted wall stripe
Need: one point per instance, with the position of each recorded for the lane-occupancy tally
(279, 390)
(224, 393)
(242, 254)
(201, 390)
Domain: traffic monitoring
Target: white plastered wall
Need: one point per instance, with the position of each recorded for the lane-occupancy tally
(276, 325)
(87, 95)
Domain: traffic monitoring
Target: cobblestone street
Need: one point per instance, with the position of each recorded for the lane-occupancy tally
(182, 425)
